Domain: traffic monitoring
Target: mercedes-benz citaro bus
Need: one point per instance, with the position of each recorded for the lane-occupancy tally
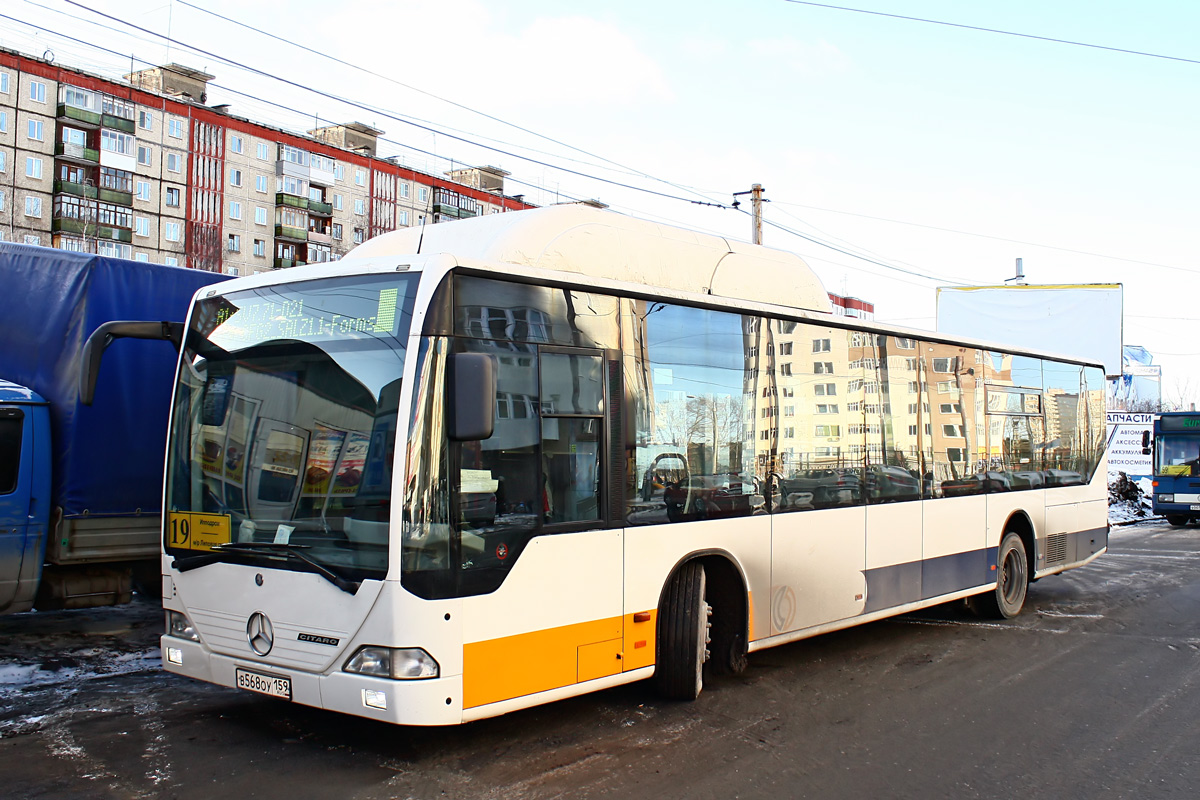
(492, 463)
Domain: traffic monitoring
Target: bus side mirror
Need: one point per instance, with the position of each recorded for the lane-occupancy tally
(103, 336)
(470, 397)
(1145, 443)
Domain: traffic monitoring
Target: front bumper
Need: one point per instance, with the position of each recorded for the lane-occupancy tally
(435, 701)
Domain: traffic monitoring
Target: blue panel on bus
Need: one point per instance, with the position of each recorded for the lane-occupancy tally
(888, 587)
(956, 572)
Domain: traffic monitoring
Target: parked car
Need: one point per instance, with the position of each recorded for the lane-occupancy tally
(712, 497)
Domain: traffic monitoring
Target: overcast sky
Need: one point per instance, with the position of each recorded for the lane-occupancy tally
(940, 153)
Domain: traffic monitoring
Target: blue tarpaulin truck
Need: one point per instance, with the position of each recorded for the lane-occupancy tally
(81, 486)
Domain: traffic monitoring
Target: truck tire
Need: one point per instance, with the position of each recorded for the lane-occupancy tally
(1007, 598)
(682, 646)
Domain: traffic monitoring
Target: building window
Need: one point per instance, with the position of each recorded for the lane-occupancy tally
(339, 172)
(143, 190)
(144, 155)
(360, 177)
(260, 183)
(822, 367)
(3, 161)
(264, 151)
(33, 206)
(142, 257)
(145, 120)
(905, 344)
(174, 162)
(235, 209)
(3, 122)
(260, 247)
(358, 206)
(234, 244)
(33, 167)
(402, 217)
(114, 142)
(172, 197)
(943, 365)
(235, 177)
(3, 83)
(335, 230)
(36, 130)
(422, 194)
(235, 143)
(37, 91)
(142, 226)
(827, 430)
(825, 390)
(358, 235)
(260, 215)
(170, 261)
(171, 231)
(821, 345)
(175, 128)
(337, 202)
(36, 241)
(1, 200)
(953, 431)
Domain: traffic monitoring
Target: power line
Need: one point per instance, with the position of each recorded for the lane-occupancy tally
(363, 107)
(424, 152)
(997, 30)
(485, 115)
(844, 252)
(990, 236)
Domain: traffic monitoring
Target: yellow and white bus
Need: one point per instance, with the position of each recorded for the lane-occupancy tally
(516, 458)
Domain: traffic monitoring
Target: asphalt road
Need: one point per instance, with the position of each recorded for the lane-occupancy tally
(1092, 692)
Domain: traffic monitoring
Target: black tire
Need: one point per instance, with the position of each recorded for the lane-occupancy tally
(682, 635)
(1012, 582)
(1177, 520)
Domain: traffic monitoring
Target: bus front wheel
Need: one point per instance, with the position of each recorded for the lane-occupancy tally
(683, 627)
(1012, 582)
(1177, 520)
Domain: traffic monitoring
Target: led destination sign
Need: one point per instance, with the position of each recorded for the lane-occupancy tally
(313, 311)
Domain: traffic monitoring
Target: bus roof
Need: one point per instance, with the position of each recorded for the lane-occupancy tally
(604, 244)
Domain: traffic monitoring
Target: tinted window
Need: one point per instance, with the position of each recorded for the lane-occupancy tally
(11, 422)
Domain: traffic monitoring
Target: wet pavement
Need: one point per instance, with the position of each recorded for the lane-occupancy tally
(1092, 692)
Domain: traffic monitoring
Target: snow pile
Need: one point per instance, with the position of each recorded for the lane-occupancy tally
(1129, 500)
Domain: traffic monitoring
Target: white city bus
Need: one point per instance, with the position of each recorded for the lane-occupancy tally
(493, 463)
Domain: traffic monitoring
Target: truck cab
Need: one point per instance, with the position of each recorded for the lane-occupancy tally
(24, 494)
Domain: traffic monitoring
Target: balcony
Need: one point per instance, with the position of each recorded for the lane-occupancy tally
(116, 197)
(283, 263)
(282, 199)
(76, 152)
(288, 232)
(446, 210)
(90, 229)
(320, 209)
(320, 238)
(80, 116)
(77, 189)
(117, 123)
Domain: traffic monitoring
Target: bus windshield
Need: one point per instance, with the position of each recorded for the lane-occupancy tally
(284, 426)
(1177, 454)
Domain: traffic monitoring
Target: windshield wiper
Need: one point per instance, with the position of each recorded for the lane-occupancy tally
(294, 551)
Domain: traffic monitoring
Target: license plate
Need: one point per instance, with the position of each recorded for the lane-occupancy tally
(1194, 508)
(271, 685)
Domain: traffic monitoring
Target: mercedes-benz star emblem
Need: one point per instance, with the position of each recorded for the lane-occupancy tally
(259, 633)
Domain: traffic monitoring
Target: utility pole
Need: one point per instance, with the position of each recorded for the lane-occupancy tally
(756, 203)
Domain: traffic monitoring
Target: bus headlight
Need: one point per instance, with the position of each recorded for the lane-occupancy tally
(1166, 498)
(180, 627)
(401, 664)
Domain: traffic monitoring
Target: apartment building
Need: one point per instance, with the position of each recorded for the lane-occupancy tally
(141, 168)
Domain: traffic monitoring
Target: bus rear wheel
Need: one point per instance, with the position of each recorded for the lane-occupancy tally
(1177, 520)
(683, 635)
(1007, 599)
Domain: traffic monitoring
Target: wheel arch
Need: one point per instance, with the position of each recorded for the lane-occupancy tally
(1019, 523)
(729, 596)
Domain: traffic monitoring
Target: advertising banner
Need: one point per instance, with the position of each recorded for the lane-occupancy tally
(1125, 431)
